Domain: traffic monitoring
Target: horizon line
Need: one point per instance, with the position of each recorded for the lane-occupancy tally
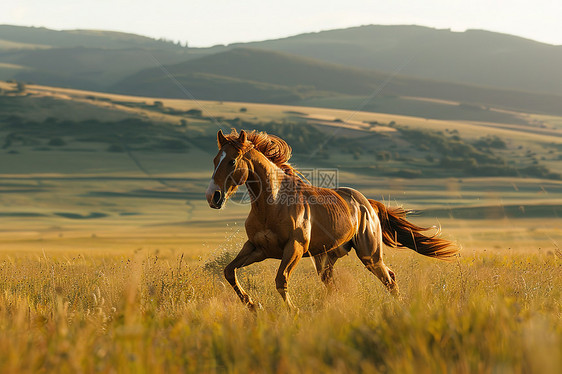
(450, 29)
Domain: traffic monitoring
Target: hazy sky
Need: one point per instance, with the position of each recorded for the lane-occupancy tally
(210, 22)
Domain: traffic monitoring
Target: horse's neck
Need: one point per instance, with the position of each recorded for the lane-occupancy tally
(264, 181)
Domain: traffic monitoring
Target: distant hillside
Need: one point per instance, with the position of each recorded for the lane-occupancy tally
(250, 68)
(51, 130)
(21, 37)
(482, 69)
(237, 74)
(473, 57)
(83, 59)
(85, 68)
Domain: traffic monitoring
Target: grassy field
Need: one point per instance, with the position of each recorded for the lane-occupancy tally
(151, 311)
(112, 261)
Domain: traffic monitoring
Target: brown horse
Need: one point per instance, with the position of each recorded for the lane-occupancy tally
(290, 219)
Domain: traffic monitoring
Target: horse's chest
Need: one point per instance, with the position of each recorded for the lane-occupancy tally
(268, 241)
(268, 235)
(265, 238)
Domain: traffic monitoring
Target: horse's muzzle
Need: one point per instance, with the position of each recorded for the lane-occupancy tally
(215, 196)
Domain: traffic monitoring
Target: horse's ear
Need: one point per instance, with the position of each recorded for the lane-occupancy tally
(221, 139)
(243, 137)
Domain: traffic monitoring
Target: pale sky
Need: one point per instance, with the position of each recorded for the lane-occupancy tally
(208, 22)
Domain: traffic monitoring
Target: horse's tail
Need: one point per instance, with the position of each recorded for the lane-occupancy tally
(399, 232)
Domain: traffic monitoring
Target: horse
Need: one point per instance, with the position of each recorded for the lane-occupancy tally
(290, 219)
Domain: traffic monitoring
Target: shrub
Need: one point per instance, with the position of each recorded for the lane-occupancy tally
(490, 142)
(194, 112)
(216, 265)
(20, 87)
(383, 155)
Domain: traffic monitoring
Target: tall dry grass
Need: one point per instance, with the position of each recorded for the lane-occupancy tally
(156, 313)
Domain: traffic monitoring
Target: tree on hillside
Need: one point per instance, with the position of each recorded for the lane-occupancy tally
(20, 87)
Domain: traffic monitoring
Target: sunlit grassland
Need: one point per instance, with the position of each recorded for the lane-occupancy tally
(158, 310)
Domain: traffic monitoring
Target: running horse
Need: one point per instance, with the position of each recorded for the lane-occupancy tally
(291, 219)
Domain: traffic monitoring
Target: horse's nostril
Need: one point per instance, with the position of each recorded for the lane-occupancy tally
(217, 197)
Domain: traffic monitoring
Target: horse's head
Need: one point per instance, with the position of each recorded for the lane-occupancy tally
(231, 170)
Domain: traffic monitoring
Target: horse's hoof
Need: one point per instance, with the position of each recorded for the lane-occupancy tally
(293, 310)
(253, 307)
(395, 293)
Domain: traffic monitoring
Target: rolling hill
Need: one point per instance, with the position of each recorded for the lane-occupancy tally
(84, 68)
(474, 57)
(482, 71)
(43, 119)
(244, 74)
(22, 37)
(86, 59)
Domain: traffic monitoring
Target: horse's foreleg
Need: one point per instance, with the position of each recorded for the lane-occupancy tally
(292, 253)
(248, 255)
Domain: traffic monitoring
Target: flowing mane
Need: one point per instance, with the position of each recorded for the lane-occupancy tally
(272, 147)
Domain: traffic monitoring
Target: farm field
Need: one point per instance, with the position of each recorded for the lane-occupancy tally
(111, 260)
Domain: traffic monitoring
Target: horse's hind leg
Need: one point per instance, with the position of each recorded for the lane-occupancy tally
(382, 272)
(368, 246)
(324, 263)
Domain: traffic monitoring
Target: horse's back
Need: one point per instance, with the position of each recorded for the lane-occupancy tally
(352, 196)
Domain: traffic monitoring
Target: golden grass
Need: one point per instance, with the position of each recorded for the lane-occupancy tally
(158, 311)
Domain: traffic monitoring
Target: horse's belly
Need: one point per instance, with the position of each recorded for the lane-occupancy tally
(325, 238)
